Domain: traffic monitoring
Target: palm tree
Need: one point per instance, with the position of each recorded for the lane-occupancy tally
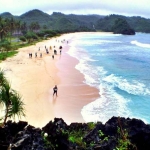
(12, 24)
(18, 27)
(34, 26)
(10, 99)
(37, 27)
(2, 78)
(4, 28)
(23, 27)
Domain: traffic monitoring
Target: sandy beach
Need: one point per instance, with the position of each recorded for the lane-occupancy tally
(34, 79)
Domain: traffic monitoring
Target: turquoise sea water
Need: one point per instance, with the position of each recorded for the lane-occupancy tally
(119, 66)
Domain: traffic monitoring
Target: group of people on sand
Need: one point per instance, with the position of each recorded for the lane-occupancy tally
(47, 52)
(50, 48)
(55, 89)
(30, 55)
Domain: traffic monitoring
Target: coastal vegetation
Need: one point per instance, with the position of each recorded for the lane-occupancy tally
(35, 25)
(15, 34)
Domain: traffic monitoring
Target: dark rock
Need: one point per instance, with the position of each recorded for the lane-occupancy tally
(29, 138)
(8, 132)
(111, 126)
(128, 32)
(55, 131)
(139, 134)
(19, 136)
(14, 127)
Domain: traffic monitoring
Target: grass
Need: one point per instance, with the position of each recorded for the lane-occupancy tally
(91, 125)
(123, 140)
(47, 143)
(5, 55)
(15, 45)
(77, 137)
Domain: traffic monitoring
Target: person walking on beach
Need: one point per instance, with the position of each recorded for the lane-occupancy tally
(35, 54)
(55, 90)
(40, 55)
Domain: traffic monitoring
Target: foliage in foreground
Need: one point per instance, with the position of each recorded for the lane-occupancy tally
(116, 134)
(88, 136)
(10, 100)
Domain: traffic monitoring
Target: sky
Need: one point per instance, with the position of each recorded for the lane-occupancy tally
(100, 7)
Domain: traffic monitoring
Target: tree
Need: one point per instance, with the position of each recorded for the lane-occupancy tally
(22, 38)
(18, 27)
(34, 26)
(45, 27)
(30, 36)
(12, 25)
(5, 46)
(24, 28)
(10, 99)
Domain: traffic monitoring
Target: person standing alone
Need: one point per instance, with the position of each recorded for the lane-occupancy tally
(55, 90)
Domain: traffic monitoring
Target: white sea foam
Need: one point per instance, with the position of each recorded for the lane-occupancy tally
(98, 42)
(132, 87)
(108, 105)
(111, 103)
(109, 41)
(140, 44)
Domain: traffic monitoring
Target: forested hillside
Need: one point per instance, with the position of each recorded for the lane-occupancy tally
(35, 16)
(57, 21)
(73, 23)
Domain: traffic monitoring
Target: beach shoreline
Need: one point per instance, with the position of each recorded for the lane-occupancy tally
(74, 93)
(34, 79)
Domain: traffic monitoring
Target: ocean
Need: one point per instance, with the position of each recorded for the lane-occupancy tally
(119, 67)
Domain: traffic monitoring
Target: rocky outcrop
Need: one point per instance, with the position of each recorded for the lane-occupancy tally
(57, 135)
(121, 26)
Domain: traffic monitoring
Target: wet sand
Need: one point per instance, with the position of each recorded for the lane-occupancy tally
(34, 79)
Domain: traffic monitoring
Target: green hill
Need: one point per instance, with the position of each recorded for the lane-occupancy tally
(59, 21)
(35, 16)
(8, 15)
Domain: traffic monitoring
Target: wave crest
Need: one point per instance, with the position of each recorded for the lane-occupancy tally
(140, 44)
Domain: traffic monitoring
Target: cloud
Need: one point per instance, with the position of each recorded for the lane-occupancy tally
(101, 7)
